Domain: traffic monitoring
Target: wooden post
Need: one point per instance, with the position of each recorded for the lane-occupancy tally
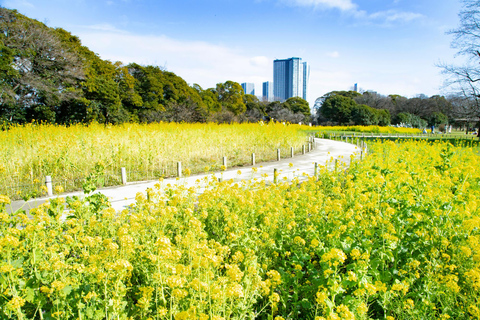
(253, 159)
(292, 152)
(336, 164)
(275, 174)
(303, 149)
(124, 175)
(309, 146)
(179, 169)
(225, 162)
(316, 169)
(48, 184)
(278, 154)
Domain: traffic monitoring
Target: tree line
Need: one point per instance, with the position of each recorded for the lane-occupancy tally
(47, 75)
(371, 108)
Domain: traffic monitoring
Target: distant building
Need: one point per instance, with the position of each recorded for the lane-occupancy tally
(248, 88)
(355, 87)
(267, 92)
(290, 78)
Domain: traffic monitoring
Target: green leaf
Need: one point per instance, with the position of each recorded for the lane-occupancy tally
(67, 290)
(30, 294)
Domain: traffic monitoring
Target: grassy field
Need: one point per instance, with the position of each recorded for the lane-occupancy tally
(396, 236)
(70, 154)
(366, 129)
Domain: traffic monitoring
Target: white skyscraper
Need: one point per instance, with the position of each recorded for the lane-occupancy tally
(290, 78)
(267, 92)
(248, 88)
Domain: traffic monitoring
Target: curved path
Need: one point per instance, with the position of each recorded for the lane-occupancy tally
(288, 168)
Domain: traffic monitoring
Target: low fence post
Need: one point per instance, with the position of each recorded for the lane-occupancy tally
(278, 154)
(316, 169)
(253, 159)
(225, 162)
(48, 184)
(292, 152)
(275, 174)
(124, 175)
(303, 149)
(179, 169)
(309, 146)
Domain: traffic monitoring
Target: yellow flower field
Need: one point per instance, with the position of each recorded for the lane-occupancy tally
(396, 236)
(70, 154)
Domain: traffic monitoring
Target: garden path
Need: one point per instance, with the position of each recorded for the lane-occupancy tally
(299, 166)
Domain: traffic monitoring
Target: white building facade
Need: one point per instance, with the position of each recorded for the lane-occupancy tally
(290, 78)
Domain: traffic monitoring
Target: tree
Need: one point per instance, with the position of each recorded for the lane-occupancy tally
(465, 78)
(280, 113)
(364, 115)
(384, 117)
(298, 105)
(230, 96)
(437, 118)
(209, 98)
(165, 96)
(38, 71)
(374, 100)
(337, 108)
(410, 120)
(255, 108)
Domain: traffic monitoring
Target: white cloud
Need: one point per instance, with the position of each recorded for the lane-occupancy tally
(338, 4)
(348, 6)
(394, 15)
(260, 61)
(195, 61)
(333, 54)
(105, 27)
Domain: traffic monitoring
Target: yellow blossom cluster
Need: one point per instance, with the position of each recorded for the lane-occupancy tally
(394, 236)
(70, 153)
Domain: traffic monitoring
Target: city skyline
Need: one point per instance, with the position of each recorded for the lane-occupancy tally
(389, 46)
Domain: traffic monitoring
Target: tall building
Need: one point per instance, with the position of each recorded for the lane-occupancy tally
(248, 88)
(267, 92)
(290, 78)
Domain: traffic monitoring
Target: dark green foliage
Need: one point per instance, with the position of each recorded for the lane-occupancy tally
(338, 108)
(350, 107)
(437, 118)
(410, 120)
(230, 95)
(298, 105)
(38, 71)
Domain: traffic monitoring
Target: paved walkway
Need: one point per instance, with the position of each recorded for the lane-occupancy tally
(122, 196)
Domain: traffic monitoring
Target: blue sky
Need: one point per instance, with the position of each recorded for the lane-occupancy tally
(388, 46)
